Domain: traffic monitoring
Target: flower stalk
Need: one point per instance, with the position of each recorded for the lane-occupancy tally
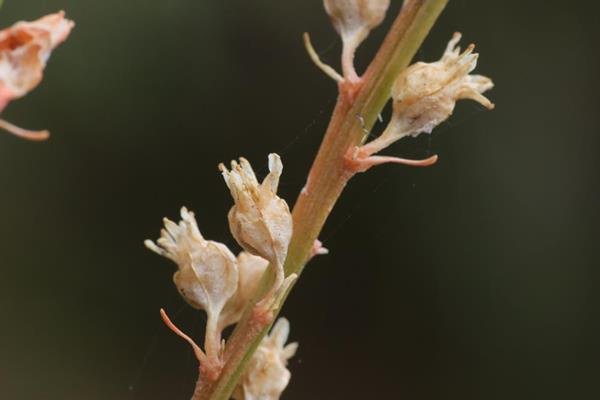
(360, 101)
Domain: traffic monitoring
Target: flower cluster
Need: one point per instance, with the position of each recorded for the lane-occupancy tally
(24, 51)
(209, 276)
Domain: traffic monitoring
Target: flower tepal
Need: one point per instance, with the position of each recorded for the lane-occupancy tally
(251, 269)
(354, 20)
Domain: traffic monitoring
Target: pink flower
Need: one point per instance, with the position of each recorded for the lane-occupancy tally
(24, 51)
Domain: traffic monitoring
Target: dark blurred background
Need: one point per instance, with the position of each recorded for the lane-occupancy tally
(473, 279)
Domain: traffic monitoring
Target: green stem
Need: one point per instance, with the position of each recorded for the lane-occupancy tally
(357, 109)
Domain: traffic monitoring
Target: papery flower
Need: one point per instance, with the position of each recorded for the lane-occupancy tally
(251, 269)
(207, 275)
(424, 96)
(259, 220)
(24, 51)
(353, 20)
(267, 376)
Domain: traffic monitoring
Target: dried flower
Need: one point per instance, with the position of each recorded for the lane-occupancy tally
(424, 96)
(260, 221)
(24, 50)
(207, 275)
(267, 376)
(251, 269)
(353, 20)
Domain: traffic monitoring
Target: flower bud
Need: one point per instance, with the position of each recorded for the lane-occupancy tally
(251, 269)
(260, 221)
(267, 376)
(354, 19)
(207, 274)
(24, 50)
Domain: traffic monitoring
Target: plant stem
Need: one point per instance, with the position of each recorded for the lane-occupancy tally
(357, 108)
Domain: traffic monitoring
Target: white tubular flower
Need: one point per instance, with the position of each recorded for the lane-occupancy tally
(267, 376)
(424, 96)
(354, 20)
(260, 221)
(207, 275)
(251, 269)
(24, 51)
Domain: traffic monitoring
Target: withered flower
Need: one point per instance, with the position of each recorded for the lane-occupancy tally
(207, 275)
(424, 96)
(259, 220)
(267, 376)
(24, 51)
